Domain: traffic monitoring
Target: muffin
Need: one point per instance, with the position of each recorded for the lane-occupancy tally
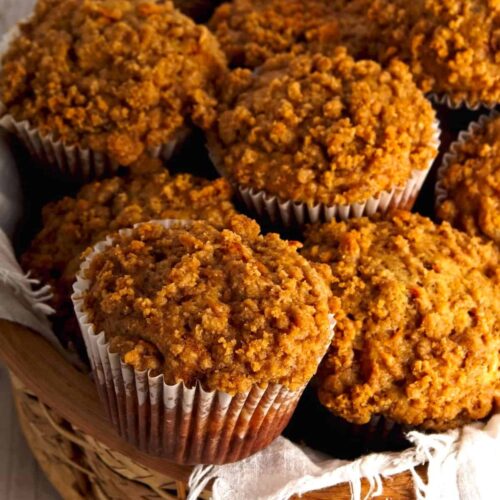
(468, 188)
(97, 83)
(314, 137)
(251, 32)
(232, 324)
(455, 51)
(71, 225)
(417, 340)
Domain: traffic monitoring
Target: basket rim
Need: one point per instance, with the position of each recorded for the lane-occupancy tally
(72, 394)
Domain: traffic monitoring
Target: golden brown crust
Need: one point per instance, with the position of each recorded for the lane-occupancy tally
(116, 76)
(71, 225)
(455, 49)
(252, 31)
(472, 182)
(451, 46)
(320, 129)
(227, 308)
(418, 331)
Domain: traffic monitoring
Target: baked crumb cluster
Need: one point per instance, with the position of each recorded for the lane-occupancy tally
(320, 129)
(250, 32)
(472, 182)
(418, 330)
(73, 224)
(451, 46)
(455, 49)
(228, 308)
(115, 76)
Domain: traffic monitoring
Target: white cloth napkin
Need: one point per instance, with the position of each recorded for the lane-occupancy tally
(462, 464)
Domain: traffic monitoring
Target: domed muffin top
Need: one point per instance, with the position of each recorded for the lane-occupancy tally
(418, 325)
(471, 179)
(228, 308)
(116, 76)
(320, 129)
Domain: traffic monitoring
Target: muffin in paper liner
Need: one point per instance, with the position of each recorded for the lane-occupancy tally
(69, 162)
(183, 424)
(291, 213)
(447, 100)
(440, 192)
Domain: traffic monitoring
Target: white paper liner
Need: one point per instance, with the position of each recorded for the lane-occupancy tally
(446, 100)
(182, 424)
(440, 192)
(291, 214)
(69, 162)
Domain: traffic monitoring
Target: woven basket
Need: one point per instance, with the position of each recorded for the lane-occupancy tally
(76, 446)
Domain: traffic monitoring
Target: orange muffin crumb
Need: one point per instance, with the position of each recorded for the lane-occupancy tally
(116, 76)
(228, 308)
(319, 129)
(472, 182)
(71, 225)
(418, 330)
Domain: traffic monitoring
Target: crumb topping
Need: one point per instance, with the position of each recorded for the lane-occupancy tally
(418, 327)
(323, 129)
(228, 308)
(455, 49)
(472, 182)
(116, 76)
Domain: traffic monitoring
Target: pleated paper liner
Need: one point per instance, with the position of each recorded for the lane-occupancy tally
(69, 162)
(183, 424)
(441, 193)
(447, 100)
(293, 214)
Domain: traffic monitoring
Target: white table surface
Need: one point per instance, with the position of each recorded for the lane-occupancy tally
(20, 477)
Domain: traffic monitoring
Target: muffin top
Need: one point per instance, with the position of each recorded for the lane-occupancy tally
(71, 225)
(116, 76)
(228, 308)
(455, 49)
(320, 129)
(418, 330)
(251, 32)
(472, 183)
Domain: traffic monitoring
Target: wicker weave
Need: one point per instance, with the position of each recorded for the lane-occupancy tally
(81, 468)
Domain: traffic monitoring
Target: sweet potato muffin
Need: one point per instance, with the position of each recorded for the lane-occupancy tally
(471, 179)
(115, 76)
(418, 331)
(228, 308)
(319, 129)
(455, 49)
(251, 32)
(71, 225)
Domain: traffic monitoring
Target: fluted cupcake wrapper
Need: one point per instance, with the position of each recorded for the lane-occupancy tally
(290, 214)
(69, 162)
(440, 191)
(187, 425)
(446, 100)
